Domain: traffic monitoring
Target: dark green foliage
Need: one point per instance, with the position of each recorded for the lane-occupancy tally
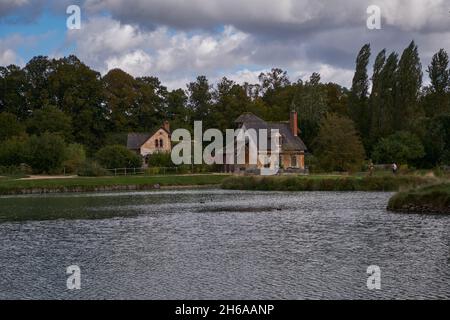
(91, 168)
(318, 183)
(402, 148)
(9, 126)
(74, 157)
(358, 101)
(161, 159)
(338, 146)
(50, 119)
(117, 156)
(45, 153)
(12, 151)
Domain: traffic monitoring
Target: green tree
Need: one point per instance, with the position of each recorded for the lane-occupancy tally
(74, 157)
(50, 119)
(377, 108)
(45, 153)
(117, 156)
(311, 104)
(402, 147)
(13, 88)
(9, 126)
(338, 146)
(358, 100)
(231, 101)
(200, 101)
(409, 82)
(437, 99)
(77, 91)
(12, 151)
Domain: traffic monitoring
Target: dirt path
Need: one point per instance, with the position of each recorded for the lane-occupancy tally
(47, 177)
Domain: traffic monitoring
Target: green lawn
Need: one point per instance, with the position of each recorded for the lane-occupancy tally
(11, 185)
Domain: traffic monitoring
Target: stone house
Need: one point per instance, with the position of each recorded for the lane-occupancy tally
(292, 153)
(146, 144)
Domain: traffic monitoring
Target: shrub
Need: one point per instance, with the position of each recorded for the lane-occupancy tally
(75, 156)
(401, 147)
(117, 156)
(12, 152)
(91, 169)
(9, 126)
(160, 159)
(45, 153)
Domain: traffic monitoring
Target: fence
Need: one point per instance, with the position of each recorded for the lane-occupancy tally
(142, 171)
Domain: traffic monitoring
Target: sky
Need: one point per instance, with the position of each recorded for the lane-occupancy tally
(177, 40)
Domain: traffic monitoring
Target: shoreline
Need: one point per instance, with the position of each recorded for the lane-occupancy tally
(433, 200)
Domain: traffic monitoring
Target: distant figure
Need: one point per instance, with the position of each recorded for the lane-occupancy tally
(371, 168)
(394, 168)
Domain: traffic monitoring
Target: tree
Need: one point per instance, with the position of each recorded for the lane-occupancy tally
(45, 153)
(151, 103)
(50, 119)
(377, 108)
(177, 113)
(338, 146)
(74, 157)
(9, 126)
(409, 82)
(12, 151)
(402, 147)
(13, 86)
(437, 101)
(200, 101)
(311, 104)
(230, 101)
(77, 91)
(358, 101)
(117, 156)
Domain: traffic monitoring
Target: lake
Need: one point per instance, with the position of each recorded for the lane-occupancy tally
(215, 244)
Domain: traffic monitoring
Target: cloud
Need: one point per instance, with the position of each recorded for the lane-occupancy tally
(178, 40)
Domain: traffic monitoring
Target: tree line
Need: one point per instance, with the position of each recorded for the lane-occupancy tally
(388, 116)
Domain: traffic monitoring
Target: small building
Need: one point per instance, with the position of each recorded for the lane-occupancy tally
(292, 148)
(146, 144)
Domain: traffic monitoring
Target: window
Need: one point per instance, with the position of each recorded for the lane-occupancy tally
(294, 161)
(156, 143)
(161, 143)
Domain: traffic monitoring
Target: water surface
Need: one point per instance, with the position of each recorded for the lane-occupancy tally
(215, 244)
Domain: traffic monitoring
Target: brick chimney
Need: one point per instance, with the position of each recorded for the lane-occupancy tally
(166, 126)
(294, 123)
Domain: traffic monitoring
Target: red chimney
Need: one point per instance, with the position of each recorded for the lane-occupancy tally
(166, 126)
(294, 123)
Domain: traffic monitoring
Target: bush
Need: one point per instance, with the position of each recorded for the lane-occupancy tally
(75, 156)
(12, 152)
(91, 169)
(160, 159)
(45, 153)
(401, 147)
(9, 126)
(117, 156)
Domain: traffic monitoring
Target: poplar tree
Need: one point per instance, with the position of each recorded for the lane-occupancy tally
(409, 78)
(358, 101)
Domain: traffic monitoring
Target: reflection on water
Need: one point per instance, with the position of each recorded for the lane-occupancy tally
(214, 244)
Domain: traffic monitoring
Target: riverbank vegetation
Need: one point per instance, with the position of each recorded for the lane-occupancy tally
(327, 183)
(9, 186)
(433, 199)
(59, 115)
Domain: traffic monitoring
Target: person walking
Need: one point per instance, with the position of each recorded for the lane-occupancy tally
(394, 168)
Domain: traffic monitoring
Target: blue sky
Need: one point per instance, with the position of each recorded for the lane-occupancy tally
(177, 41)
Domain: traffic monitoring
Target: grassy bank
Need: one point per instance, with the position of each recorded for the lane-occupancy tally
(326, 183)
(432, 199)
(9, 186)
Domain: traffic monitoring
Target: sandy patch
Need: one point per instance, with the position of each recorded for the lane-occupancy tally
(47, 177)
